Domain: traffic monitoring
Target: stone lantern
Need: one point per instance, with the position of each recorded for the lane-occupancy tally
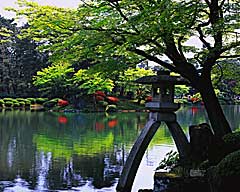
(162, 109)
(162, 91)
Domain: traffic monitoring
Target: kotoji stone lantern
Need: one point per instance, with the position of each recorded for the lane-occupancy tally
(161, 109)
(162, 90)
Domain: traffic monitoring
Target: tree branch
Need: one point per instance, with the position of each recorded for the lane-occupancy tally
(232, 45)
(112, 31)
(116, 5)
(221, 74)
(180, 46)
(222, 3)
(230, 56)
(208, 3)
(201, 37)
(154, 59)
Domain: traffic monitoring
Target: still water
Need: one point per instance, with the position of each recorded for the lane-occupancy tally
(43, 151)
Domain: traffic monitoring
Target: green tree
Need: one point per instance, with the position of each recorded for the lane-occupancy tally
(127, 82)
(55, 80)
(19, 61)
(92, 82)
(136, 30)
(226, 78)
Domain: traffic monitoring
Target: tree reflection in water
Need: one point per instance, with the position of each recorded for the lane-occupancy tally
(83, 151)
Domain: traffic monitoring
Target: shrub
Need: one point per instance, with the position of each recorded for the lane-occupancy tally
(170, 161)
(103, 103)
(7, 99)
(8, 104)
(112, 99)
(32, 100)
(20, 99)
(41, 100)
(225, 176)
(51, 103)
(1, 102)
(27, 103)
(62, 103)
(232, 140)
(111, 108)
(21, 103)
(16, 104)
(100, 93)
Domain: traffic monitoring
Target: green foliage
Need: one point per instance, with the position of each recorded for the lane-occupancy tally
(181, 90)
(8, 104)
(226, 77)
(41, 100)
(21, 103)
(16, 105)
(133, 31)
(103, 103)
(232, 140)
(50, 104)
(32, 100)
(92, 82)
(8, 99)
(54, 80)
(169, 161)
(1, 101)
(111, 108)
(128, 77)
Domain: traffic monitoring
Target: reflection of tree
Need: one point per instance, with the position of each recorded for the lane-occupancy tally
(191, 115)
(16, 156)
(47, 154)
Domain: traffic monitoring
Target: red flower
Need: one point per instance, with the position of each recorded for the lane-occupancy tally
(99, 98)
(113, 99)
(62, 102)
(148, 98)
(100, 93)
(62, 119)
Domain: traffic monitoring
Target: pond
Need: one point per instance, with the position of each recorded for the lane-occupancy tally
(46, 151)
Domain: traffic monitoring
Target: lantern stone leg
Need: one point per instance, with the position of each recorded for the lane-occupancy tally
(180, 139)
(134, 159)
(162, 108)
(135, 156)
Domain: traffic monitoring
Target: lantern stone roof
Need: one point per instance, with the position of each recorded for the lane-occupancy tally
(163, 77)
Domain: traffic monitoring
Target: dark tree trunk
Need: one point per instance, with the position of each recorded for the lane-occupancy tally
(215, 113)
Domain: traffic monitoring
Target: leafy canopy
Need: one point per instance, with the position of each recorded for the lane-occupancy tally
(54, 80)
(104, 29)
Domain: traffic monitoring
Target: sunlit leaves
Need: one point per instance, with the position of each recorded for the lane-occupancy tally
(99, 29)
(127, 79)
(92, 82)
(54, 80)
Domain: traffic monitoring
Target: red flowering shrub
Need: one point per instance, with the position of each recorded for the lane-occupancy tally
(148, 98)
(62, 103)
(100, 93)
(99, 98)
(113, 99)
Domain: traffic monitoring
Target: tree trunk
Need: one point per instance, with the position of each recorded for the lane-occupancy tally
(215, 113)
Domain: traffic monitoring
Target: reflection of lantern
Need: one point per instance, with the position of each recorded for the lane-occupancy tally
(162, 90)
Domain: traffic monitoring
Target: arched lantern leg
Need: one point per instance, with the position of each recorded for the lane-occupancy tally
(134, 159)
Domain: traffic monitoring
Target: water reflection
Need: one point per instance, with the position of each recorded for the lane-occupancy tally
(83, 152)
